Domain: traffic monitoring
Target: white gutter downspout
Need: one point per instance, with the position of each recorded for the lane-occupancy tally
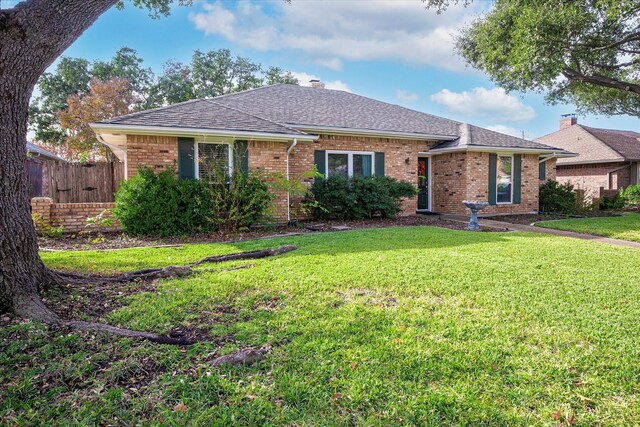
(291, 147)
(628, 165)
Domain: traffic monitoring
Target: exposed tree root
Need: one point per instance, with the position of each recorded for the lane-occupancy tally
(33, 307)
(62, 277)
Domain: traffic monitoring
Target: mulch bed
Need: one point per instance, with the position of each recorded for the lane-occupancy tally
(530, 219)
(119, 240)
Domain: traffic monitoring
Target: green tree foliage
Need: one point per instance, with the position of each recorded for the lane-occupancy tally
(585, 52)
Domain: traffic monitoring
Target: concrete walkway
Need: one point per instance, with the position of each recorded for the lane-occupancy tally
(529, 228)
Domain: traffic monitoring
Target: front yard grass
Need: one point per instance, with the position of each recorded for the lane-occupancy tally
(625, 227)
(407, 326)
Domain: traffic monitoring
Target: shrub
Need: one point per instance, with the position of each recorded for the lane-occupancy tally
(631, 196)
(161, 204)
(557, 198)
(615, 202)
(45, 229)
(359, 197)
(240, 202)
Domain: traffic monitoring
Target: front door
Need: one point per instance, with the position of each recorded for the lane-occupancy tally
(423, 184)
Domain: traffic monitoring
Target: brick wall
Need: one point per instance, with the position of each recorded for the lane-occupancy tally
(590, 177)
(271, 158)
(71, 216)
(465, 176)
(550, 170)
(157, 152)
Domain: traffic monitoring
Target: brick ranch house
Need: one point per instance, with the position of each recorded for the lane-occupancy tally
(607, 160)
(289, 129)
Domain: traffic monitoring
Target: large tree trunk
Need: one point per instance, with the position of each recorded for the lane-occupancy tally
(32, 35)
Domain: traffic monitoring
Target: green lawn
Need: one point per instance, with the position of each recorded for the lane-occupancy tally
(402, 326)
(626, 227)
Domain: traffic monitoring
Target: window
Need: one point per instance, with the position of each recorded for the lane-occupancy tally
(213, 161)
(504, 180)
(349, 163)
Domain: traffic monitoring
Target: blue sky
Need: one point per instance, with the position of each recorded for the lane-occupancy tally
(395, 51)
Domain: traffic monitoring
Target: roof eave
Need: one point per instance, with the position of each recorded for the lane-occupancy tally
(179, 131)
(371, 132)
(488, 149)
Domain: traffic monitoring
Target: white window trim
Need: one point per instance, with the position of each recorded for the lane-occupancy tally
(197, 155)
(350, 160)
(510, 202)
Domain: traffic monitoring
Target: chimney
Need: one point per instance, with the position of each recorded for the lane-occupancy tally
(316, 84)
(568, 120)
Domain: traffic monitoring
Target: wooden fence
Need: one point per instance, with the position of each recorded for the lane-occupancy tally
(84, 182)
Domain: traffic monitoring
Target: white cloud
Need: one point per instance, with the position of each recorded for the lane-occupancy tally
(342, 29)
(494, 104)
(506, 130)
(330, 63)
(304, 79)
(407, 96)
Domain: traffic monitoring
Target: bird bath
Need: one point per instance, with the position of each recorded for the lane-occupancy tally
(475, 207)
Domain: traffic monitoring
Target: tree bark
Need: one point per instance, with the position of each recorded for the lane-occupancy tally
(32, 35)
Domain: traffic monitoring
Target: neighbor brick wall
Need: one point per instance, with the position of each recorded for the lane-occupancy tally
(396, 152)
(71, 216)
(590, 177)
(156, 152)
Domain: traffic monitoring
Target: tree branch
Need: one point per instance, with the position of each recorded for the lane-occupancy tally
(601, 80)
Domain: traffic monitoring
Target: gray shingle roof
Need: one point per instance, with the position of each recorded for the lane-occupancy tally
(284, 109)
(202, 114)
(305, 106)
(476, 136)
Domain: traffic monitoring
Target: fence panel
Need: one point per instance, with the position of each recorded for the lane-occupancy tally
(84, 182)
(35, 172)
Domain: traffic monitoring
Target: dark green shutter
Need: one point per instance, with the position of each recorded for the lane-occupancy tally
(379, 164)
(517, 178)
(493, 172)
(241, 156)
(320, 161)
(186, 158)
(543, 170)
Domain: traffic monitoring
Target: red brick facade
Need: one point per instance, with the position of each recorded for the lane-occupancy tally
(157, 152)
(454, 176)
(465, 176)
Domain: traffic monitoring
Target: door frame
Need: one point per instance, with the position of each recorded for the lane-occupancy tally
(429, 186)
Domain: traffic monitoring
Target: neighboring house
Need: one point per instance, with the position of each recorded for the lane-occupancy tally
(38, 163)
(289, 129)
(607, 159)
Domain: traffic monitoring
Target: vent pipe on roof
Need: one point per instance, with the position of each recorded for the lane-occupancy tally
(316, 84)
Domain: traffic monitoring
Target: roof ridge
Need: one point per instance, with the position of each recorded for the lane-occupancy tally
(589, 130)
(254, 115)
(609, 130)
(254, 89)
